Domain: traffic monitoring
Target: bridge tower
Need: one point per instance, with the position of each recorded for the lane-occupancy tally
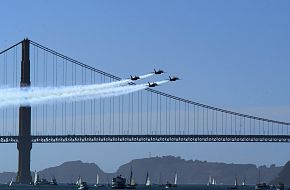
(24, 144)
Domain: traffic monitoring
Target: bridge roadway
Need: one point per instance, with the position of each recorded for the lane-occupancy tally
(149, 138)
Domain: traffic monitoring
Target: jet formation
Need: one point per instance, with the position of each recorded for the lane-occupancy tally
(154, 84)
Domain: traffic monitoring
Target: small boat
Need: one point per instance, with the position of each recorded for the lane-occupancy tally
(262, 186)
(36, 180)
(280, 186)
(168, 185)
(132, 184)
(213, 181)
(53, 181)
(119, 182)
(147, 182)
(235, 184)
(81, 184)
(244, 182)
(97, 182)
(10, 183)
(209, 181)
(78, 180)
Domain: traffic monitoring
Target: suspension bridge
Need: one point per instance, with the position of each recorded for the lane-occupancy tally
(143, 116)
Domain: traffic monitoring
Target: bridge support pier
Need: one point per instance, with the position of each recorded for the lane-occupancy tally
(24, 144)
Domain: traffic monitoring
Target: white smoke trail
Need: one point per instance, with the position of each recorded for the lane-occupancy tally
(162, 82)
(146, 76)
(37, 95)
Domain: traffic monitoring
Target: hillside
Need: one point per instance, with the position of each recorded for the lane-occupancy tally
(188, 171)
(283, 176)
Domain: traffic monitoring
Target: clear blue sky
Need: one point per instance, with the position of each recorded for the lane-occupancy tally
(230, 54)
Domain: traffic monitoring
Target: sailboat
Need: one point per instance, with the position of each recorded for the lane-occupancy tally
(11, 182)
(209, 181)
(244, 182)
(36, 179)
(81, 184)
(98, 182)
(235, 184)
(213, 181)
(147, 182)
(169, 185)
(261, 186)
(78, 181)
(132, 184)
(175, 180)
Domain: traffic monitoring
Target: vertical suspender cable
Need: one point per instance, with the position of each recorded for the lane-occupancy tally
(175, 108)
(129, 112)
(100, 110)
(216, 123)
(160, 118)
(194, 119)
(179, 117)
(166, 116)
(138, 112)
(157, 113)
(119, 104)
(132, 110)
(203, 121)
(141, 111)
(147, 112)
(151, 112)
(122, 114)
(65, 83)
(169, 118)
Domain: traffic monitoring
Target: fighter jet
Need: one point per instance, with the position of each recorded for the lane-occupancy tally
(135, 77)
(158, 72)
(173, 78)
(153, 84)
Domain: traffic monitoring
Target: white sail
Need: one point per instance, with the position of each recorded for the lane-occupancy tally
(78, 180)
(132, 182)
(209, 181)
(11, 182)
(175, 178)
(213, 181)
(236, 182)
(35, 178)
(244, 182)
(147, 183)
(97, 180)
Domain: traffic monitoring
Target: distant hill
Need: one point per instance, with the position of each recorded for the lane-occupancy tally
(188, 171)
(283, 176)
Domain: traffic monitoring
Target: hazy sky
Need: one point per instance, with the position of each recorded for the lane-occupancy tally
(230, 54)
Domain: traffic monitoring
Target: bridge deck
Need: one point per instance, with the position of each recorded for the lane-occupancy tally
(149, 138)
